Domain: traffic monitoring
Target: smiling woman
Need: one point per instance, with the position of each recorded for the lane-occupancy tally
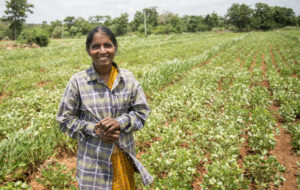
(102, 106)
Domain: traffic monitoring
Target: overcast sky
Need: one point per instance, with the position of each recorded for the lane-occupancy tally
(50, 10)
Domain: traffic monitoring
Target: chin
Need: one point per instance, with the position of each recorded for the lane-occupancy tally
(102, 63)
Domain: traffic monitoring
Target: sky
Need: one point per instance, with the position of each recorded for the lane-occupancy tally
(50, 10)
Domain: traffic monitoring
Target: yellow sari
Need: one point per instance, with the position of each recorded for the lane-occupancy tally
(123, 178)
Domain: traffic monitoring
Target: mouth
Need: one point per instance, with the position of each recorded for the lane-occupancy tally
(102, 58)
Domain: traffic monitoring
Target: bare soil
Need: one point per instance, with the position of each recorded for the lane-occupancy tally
(273, 59)
(2, 96)
(69, 159)
(43, 83)
(283, 150)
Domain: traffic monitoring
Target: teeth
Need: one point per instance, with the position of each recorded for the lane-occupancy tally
(102, 58)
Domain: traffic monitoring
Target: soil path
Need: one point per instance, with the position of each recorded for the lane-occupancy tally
(283, 150)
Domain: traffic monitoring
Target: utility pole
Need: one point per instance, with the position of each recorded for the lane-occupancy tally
(145, 22)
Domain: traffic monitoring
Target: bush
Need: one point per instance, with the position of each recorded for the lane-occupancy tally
(164, 29)
(57, 32)
(35, 35)
(3, 30)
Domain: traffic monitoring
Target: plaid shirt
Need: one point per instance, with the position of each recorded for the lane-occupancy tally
(85, 102)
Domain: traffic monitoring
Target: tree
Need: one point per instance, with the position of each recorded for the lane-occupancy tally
(298, 20)
(239, 16)
(83, 26)
(57, 32)
(138, 19)
(212, 20)
(16, 14)
(171, 22)
(151, 18)
(120, 24)
(69, 22)
(262, 17)
(284, 16)
(3, 29)
(194, 23)
(151, 15)
(53, 25)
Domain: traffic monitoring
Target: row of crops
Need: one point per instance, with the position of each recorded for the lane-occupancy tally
(211, 124)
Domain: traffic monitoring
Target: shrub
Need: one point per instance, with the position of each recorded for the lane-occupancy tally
(165, 29)
(35, 35)
(57, 32)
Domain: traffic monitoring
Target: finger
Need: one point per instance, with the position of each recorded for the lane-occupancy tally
(114, 127)
(113, 136)
(117, 132)
(108, 124)
(105, 119)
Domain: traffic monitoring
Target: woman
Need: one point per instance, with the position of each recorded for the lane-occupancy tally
(101, 107)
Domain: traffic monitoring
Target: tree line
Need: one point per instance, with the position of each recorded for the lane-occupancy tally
(239, 17)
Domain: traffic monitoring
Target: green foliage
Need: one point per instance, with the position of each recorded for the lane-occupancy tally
(58, 32)
(284, 16)
(262, 170)
(19, 185)
(56, 177)
(294, 130)
(36, 35)
(164, 29)
(3, 30)
(205, 105)
(15, 14)
(262, 17)
(119, 26)
(240, 16)
(169, 22)
(224, 175)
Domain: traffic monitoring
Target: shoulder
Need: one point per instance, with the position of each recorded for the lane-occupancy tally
(129, 80)
(128, 76)
(79, 77)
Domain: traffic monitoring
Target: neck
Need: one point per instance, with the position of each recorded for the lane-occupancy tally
(103, 70)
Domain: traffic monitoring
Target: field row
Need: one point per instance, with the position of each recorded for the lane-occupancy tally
(212, 124)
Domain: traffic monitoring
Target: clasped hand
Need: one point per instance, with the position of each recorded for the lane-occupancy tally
(108, 130)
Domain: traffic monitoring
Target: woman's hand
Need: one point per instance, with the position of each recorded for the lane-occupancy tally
(108, 130)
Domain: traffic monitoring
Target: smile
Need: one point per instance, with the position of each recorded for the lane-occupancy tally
(102, 58)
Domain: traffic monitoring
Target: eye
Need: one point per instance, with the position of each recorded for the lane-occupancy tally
(108, 45)
(95, 46)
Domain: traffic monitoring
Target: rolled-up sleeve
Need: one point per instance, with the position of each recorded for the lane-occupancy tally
(69, 111)
(138, 112)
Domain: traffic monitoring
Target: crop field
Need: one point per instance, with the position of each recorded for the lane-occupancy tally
(225, 110)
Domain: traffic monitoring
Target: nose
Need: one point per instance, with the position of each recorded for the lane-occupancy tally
(102, 49)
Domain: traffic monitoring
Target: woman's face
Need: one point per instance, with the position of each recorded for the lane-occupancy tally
(101, 50)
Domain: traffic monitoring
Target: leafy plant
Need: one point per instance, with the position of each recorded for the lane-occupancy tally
(56, 177)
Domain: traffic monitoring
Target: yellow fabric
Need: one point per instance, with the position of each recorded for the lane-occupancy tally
(123, 178)
(112, 76)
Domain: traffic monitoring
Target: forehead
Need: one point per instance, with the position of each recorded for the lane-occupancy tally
(101, 38)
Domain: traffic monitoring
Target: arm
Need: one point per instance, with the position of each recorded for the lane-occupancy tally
(138, 112)
(68, 112)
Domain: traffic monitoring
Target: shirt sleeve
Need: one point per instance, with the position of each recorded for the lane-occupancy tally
(138, 112)
(68, 114)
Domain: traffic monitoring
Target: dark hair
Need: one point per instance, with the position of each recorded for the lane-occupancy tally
(104, 30)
